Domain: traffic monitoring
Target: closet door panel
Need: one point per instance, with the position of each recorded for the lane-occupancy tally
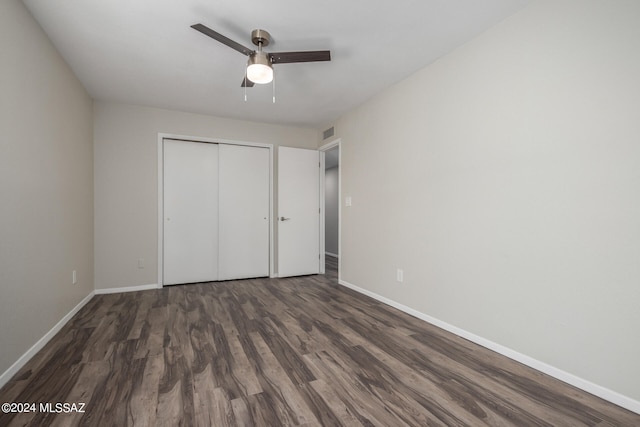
(190, 212)
(243, 212)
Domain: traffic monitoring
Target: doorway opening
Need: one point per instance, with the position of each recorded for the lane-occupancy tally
(332, 209)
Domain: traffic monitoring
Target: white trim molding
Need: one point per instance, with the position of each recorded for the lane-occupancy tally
(105, 291)
(13, 369)
(595, 389)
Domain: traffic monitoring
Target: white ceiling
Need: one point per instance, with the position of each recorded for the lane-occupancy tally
(144, 51)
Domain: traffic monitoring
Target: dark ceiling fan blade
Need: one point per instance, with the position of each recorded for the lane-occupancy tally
(246, 82)
(306, 56)
(222, 39)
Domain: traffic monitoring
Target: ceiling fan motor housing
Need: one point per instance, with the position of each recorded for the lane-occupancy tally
(260, 37)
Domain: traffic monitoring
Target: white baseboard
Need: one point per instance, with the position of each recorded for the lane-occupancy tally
(332, 255)
(595, 389)
(126, 289)
(13, 369)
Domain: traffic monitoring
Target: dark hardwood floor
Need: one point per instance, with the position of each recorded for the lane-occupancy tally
(297, 351)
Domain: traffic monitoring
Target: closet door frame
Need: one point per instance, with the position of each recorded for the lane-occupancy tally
(161, 138)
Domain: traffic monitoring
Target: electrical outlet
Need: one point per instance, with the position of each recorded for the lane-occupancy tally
(140, 262)
(400, 275)
(74, 277)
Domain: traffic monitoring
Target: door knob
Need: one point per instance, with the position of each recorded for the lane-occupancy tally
(284, 219)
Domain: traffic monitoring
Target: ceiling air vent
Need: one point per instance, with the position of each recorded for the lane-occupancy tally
(328, 133)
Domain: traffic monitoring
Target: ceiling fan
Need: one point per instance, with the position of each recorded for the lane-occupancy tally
(260, 63)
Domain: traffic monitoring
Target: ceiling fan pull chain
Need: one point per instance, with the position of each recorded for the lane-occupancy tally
(245, 84)
(273, 84)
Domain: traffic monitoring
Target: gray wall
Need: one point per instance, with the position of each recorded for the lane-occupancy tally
(46, 185)
(505, 180)
(126, 180)
(331, 210)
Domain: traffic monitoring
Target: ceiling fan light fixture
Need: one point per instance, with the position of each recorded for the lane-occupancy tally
(259, 68)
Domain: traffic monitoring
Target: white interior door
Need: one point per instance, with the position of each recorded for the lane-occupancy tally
(190, 212)
(243, 212)
(298, 211)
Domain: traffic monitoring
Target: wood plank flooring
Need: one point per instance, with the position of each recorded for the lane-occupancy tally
(282, 352)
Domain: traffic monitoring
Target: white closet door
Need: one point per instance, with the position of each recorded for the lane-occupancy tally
(298, 211)
(243, 212)
(190, 212)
